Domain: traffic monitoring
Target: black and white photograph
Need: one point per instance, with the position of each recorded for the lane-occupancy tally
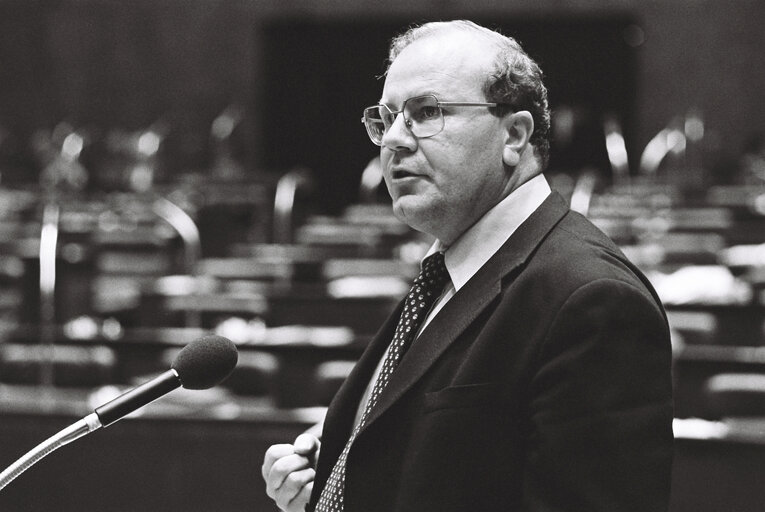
(362, 256)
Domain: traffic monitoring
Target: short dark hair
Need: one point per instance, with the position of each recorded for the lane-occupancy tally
(516, 79)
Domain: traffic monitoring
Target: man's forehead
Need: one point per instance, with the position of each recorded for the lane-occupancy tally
(439, 64)
(450, 47)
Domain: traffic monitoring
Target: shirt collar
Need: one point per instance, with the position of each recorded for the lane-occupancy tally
(484, 238)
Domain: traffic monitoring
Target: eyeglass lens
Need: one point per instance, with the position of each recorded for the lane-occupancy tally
(421, 114)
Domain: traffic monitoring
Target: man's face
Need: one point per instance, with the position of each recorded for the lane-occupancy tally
(442, 184)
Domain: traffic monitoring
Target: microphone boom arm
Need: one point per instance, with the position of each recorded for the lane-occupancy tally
(202, 364)
(75, 431)
(103, 416)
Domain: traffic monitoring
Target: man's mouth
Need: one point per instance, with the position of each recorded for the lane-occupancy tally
(401, 174)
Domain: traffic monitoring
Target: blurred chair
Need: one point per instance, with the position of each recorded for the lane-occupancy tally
(371, 180)
(186, 228)
(288, 188)
(584, 188)
(736, 394)
(617, 151)
(670, 140)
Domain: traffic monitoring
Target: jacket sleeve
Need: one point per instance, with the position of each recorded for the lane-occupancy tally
(600, 412)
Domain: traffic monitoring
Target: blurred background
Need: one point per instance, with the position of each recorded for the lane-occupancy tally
(170, 168)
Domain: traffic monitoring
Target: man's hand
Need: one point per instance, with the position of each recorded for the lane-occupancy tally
(289, 470)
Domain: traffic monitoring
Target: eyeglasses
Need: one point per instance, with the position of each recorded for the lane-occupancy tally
(422, 115)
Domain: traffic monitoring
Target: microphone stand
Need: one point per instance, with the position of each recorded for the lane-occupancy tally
(75, 431)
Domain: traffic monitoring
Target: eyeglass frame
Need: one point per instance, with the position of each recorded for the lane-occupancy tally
(408, 123)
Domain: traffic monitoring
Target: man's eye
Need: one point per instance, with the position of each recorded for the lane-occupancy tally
(425, 113)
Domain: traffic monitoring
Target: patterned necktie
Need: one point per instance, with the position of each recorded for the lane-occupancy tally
(425, 290)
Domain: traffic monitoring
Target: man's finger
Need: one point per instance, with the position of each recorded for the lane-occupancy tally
(306, 444)
(299, 502)
(287, 495)
(273, 454)
(283, 467)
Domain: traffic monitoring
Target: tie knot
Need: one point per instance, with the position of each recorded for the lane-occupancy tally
(433, 275)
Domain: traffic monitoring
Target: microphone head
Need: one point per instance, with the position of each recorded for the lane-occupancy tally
(205, 362)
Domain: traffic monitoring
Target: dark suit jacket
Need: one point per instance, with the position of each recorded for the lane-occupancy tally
(543, 384)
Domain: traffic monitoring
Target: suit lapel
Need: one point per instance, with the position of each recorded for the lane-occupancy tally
(342, 411)
(466, 305)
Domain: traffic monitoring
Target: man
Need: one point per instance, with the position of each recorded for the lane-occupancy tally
(540, 379)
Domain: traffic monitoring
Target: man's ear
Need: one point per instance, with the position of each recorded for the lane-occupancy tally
(518, 129)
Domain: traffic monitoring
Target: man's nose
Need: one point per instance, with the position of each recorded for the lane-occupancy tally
(399, 136)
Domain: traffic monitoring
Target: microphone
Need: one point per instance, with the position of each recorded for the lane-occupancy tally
(201, 364)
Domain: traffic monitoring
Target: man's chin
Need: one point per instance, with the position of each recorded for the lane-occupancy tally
(413, 211)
